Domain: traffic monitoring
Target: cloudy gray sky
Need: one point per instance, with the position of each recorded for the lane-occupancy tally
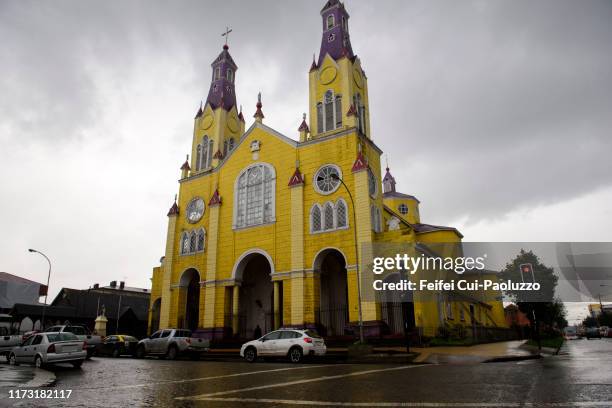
(496, 114)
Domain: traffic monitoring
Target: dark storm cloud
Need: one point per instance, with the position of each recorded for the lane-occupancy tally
(484, 107)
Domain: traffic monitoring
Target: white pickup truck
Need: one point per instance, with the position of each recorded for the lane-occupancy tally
(170, 343)
(92, 341)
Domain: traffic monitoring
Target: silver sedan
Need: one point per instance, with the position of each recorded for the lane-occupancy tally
(49, 348)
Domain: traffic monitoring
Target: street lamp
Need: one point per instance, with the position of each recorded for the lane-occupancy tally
(42, 323)
(336, 177)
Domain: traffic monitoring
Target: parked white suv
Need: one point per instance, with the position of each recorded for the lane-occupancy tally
(291, 343)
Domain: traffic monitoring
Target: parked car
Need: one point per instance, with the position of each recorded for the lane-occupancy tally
(8, 342)
(117, 345)
(170, 343)
(49, 348)
(570, 333)
(592, 333)
(91, 341)
(293, 344)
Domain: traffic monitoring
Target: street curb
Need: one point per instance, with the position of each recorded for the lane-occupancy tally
(502, 359)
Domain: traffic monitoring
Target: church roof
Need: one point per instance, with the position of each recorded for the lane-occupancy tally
(395, 194)
(424, 228)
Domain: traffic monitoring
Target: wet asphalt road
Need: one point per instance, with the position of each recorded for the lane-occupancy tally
(581, 377)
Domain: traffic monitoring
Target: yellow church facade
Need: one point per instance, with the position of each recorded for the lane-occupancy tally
(262, 234)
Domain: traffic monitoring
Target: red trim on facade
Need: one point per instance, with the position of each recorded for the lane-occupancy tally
(361, 163)
(304, 127)
(215, 199)
(174, 210)
(297, 179)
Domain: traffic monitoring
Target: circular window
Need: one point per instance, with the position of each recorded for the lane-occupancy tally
(195, 210)
(403, 209)
(371, 183)
(324, 180)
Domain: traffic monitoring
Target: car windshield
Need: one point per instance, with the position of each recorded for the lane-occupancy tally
(53, 337)
(312, 333)
(76, 330)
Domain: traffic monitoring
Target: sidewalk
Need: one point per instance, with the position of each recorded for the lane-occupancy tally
(480, 353)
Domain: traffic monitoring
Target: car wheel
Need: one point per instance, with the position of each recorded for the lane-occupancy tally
(77, 364)
(140, 352)
(12, 359)
(295, 355)
(116, 353)
(38, 362)
(172, 353)
(250, 354)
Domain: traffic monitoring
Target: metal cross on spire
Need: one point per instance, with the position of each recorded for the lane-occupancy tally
(226, 34)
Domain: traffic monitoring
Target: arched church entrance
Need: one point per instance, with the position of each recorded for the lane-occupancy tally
(190, 286)
(256, 296)
(155, 309)
(397, 309)
(333, 316)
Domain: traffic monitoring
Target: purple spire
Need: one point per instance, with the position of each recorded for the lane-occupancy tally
(222, 92)
(388, 182)
(336, 41)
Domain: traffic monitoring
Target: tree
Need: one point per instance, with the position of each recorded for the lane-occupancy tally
(541, 307)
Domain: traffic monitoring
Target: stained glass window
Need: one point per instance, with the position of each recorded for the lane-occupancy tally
(328, 216)
(324, 182)
(341, 214)
(255, 196)
(201, 239)
(315, 218)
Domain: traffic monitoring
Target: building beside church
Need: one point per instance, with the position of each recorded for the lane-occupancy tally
(263, 230)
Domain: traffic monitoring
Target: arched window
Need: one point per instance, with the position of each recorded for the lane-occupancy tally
(254, 203)
(198, 157)
(331, 21)
(344, 23)
(315, 218)
(360, 108)
(207, 153)
(192, 242)
(184, 244)
(201, 239)
(319, 117)
(328, 216)
(403, 209)
(338, 111)
(376, 219)
(230, 75)
(341, 212)
(329, 110)
(218, 73)
(231, 144)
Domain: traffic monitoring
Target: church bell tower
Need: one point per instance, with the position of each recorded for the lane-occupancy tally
(338, 85)
(217, 125)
